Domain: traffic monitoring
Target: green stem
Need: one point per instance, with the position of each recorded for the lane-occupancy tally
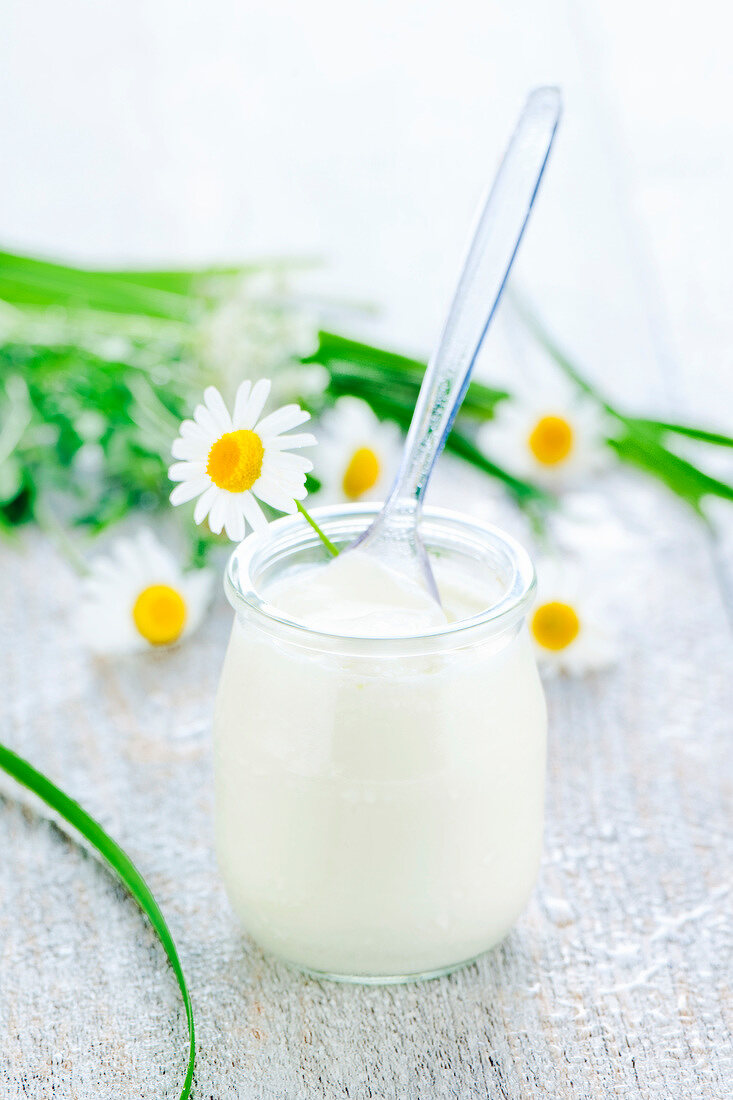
(52, 528)
(333, 550)
(555, 352)
(122, 866)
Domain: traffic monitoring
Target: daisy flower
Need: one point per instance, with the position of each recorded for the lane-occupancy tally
(137, 596)
(358, 454)
(258, 327)
(569, 624)
(231, 461)
(554, 444)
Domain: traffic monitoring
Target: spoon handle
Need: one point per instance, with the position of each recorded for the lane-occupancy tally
(490, 256)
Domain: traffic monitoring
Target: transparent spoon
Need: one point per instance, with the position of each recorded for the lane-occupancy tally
(394, 536)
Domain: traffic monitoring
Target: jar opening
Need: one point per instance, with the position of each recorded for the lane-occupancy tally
(289, 545)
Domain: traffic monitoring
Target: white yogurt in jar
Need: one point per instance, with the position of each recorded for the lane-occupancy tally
(379, 803)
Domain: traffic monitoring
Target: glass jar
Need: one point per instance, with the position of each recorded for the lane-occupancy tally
(379, 801)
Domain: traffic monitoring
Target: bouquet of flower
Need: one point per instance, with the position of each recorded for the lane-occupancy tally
(99, 369)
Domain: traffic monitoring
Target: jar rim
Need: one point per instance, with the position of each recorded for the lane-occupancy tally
(292, 532)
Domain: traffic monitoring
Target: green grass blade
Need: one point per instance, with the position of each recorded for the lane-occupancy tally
(682, 477)
(30, 276)
(27, 281)
(556, 353)
(120, 863)
(701, 434)
(347, 358)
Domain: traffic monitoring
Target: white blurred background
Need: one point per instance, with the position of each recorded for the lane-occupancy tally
(364, 133)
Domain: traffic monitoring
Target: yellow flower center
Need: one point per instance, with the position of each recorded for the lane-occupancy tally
(362, 473)
(235, 460)
(159, 614)
(551, 440)
(555, 625)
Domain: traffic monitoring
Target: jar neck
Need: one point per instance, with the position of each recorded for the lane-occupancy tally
(289, 545)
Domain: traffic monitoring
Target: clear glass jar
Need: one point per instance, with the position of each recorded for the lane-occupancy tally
(379, 802)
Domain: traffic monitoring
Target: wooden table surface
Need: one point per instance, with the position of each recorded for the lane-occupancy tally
(615, 983)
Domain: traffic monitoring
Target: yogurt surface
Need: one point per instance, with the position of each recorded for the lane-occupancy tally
(355, 594)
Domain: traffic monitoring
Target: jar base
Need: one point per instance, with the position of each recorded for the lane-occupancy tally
(383, 979)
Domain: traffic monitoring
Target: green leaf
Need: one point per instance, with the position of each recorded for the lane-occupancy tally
(24, 280)
(701, 434)
(171, 294)
(365, 366)
(640, 449)
(11, 479)
(122, 866)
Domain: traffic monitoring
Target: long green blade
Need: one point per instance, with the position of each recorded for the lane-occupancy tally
(120, 863)
(26, 281)
(350, 359)
(703, 435)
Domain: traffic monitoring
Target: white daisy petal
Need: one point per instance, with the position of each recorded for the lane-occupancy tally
(204, 504)
(276, 497)
(189, 429)
(199, 585)
(255, 405)
(282, 420)
(217, 514)
(193, 450)
(281, 442)
(282, 464)
(215, 403)
(156, 556)
(253, 513)
(186, 471)
(187, 490)
(127, 553)
(240, 403)
(206, 419)
(234, 521)
(101, 568)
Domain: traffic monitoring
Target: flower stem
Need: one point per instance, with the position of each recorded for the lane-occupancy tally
(333, 550)
(54, 530)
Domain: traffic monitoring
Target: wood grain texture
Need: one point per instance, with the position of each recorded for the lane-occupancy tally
(615, 983)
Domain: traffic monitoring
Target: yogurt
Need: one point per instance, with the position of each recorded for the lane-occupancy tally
(379, 775)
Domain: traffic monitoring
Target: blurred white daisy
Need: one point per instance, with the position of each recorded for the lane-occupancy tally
(137, 596)
(570, 622)
(258, 327)
(359, 454)
(554, 444)
(299, 382)
(230, 460)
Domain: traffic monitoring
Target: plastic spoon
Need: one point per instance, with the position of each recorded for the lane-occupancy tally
(394, 536)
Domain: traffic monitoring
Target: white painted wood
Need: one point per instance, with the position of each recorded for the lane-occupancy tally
(616, 981)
